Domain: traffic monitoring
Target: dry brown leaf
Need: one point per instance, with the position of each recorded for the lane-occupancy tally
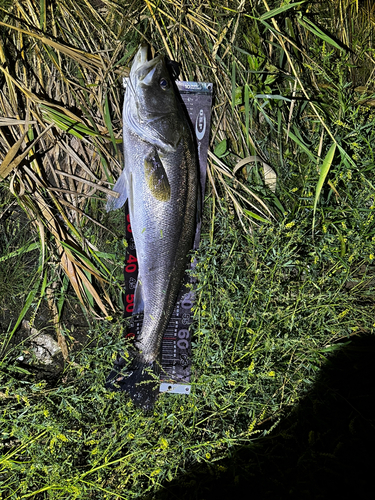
(92, 290)
(7, 164)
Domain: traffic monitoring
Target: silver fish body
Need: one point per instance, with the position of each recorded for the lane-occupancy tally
(160, 180)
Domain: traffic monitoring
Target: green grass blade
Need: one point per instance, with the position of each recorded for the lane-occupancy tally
(276, 202)
(255, 216)
(302, 145)
(108, 122)
(247, 112)
(104, 163)
(66, 123)
(233, 84)
(273, 96)
(87, 289)
(26, 307)
(43, 15)
(42, 293)
(310, 26)
(221, 148)
(279, 10)
(323, 174)
(25, 249)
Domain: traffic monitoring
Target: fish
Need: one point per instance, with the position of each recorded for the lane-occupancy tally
(160, 180)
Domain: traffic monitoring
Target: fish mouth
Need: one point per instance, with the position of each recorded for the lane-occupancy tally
(143, 66)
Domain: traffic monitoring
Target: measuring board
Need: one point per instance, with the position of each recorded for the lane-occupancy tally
(176, 343)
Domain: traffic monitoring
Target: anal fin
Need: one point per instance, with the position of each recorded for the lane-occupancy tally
(138, 298)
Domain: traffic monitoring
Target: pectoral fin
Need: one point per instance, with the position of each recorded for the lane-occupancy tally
(120, 187)
(156, 178)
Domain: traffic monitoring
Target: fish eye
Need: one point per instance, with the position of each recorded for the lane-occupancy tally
(164, 83)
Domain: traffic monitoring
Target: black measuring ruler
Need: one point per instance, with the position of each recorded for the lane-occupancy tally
(176, 344)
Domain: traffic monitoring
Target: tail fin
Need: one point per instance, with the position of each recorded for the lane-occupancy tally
(142, 383)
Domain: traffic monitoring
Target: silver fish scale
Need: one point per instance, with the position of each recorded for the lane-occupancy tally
(163, 234)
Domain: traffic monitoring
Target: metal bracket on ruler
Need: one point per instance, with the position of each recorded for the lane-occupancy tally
(175, 388)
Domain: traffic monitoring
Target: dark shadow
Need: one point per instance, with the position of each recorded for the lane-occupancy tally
(324, 450)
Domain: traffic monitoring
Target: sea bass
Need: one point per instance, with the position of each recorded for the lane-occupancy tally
(161, 182)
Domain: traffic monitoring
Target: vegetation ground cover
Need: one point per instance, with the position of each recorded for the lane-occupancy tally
(285, 275)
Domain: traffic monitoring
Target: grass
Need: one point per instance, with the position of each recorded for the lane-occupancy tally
(285, 275)
(18, 256)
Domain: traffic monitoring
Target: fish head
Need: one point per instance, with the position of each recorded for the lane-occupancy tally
(153, 111)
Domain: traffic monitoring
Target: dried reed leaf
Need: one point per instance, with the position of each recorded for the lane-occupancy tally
(70, 271)
(86, 283)
(86, 59)
(8, 122)
(8, 164)
(89, 183)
